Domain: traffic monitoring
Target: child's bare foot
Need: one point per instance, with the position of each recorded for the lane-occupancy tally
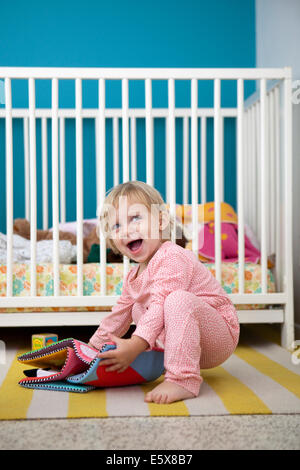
(168, 392)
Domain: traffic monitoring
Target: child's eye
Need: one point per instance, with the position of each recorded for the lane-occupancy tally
(117, 226)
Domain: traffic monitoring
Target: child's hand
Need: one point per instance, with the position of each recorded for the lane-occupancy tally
(127, 350)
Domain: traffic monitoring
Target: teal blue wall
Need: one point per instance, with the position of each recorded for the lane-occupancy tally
(119, 33)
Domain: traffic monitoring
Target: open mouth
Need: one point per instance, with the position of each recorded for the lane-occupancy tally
(135, 245)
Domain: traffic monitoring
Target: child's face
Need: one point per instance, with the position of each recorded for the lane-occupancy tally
(135, 230)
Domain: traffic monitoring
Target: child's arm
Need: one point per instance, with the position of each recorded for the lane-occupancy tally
(118, 322)
(170, 272)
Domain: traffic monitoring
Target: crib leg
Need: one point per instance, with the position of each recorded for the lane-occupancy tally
(287, 327)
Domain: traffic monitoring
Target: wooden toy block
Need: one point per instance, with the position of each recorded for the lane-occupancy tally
(41, 340)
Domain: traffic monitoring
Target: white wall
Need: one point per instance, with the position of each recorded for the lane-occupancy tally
(278, 34)
(278, 45)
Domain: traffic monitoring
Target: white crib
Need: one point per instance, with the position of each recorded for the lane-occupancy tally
(264, 177)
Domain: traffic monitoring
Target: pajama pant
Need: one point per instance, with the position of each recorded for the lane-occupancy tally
(196, 337)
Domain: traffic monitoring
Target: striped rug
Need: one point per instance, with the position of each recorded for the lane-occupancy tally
(259, 378)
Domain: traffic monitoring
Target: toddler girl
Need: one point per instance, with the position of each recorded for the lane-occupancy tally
(174, 300)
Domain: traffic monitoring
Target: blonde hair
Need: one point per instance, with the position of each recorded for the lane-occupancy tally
(141, 192)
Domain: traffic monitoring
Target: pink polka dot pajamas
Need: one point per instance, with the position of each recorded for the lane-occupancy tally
(176, 303)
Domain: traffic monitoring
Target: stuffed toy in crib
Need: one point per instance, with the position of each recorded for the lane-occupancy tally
(22, 228)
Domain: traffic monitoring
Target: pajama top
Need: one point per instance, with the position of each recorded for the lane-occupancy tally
(142, 300)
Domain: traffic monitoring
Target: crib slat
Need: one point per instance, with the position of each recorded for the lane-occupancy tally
(125, 140)
(97, 164)
(55, 186)
(264, 187)
(101, 143)
(116, 150)
(125, 130)
(101, 178)
(194, 164)
(221, 156)
(167, 160)
(45, 173)
(268, 180)
(217, 176)
(33, 215)
(255, 157)
(26, 167)
(240, 182)
(272, 174)
(133, 148)
(254, 171)
(247, 216)
(278, 264)
(171, 152)
(246, 160)
(258, 174)
(62, 168)
(203, 160)
(185, 160)
(252, 166)
(9, 185)
(149, 133)
(245, 152)
(287, 333)
(79, 186)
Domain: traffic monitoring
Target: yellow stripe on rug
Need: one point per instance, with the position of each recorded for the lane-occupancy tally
(14, 399)
(173, 409)
(237, 397)
(88, 405)
(272, 369)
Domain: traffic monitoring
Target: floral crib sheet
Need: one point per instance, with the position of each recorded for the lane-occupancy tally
(114, 280)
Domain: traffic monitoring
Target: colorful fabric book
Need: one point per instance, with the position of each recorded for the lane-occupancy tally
(71, 365)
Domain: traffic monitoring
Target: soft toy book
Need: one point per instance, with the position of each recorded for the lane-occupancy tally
(71, 365)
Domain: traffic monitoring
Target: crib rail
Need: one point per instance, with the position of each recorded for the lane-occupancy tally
(263, 152)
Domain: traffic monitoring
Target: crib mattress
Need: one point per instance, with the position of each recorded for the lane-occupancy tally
(114, 282)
